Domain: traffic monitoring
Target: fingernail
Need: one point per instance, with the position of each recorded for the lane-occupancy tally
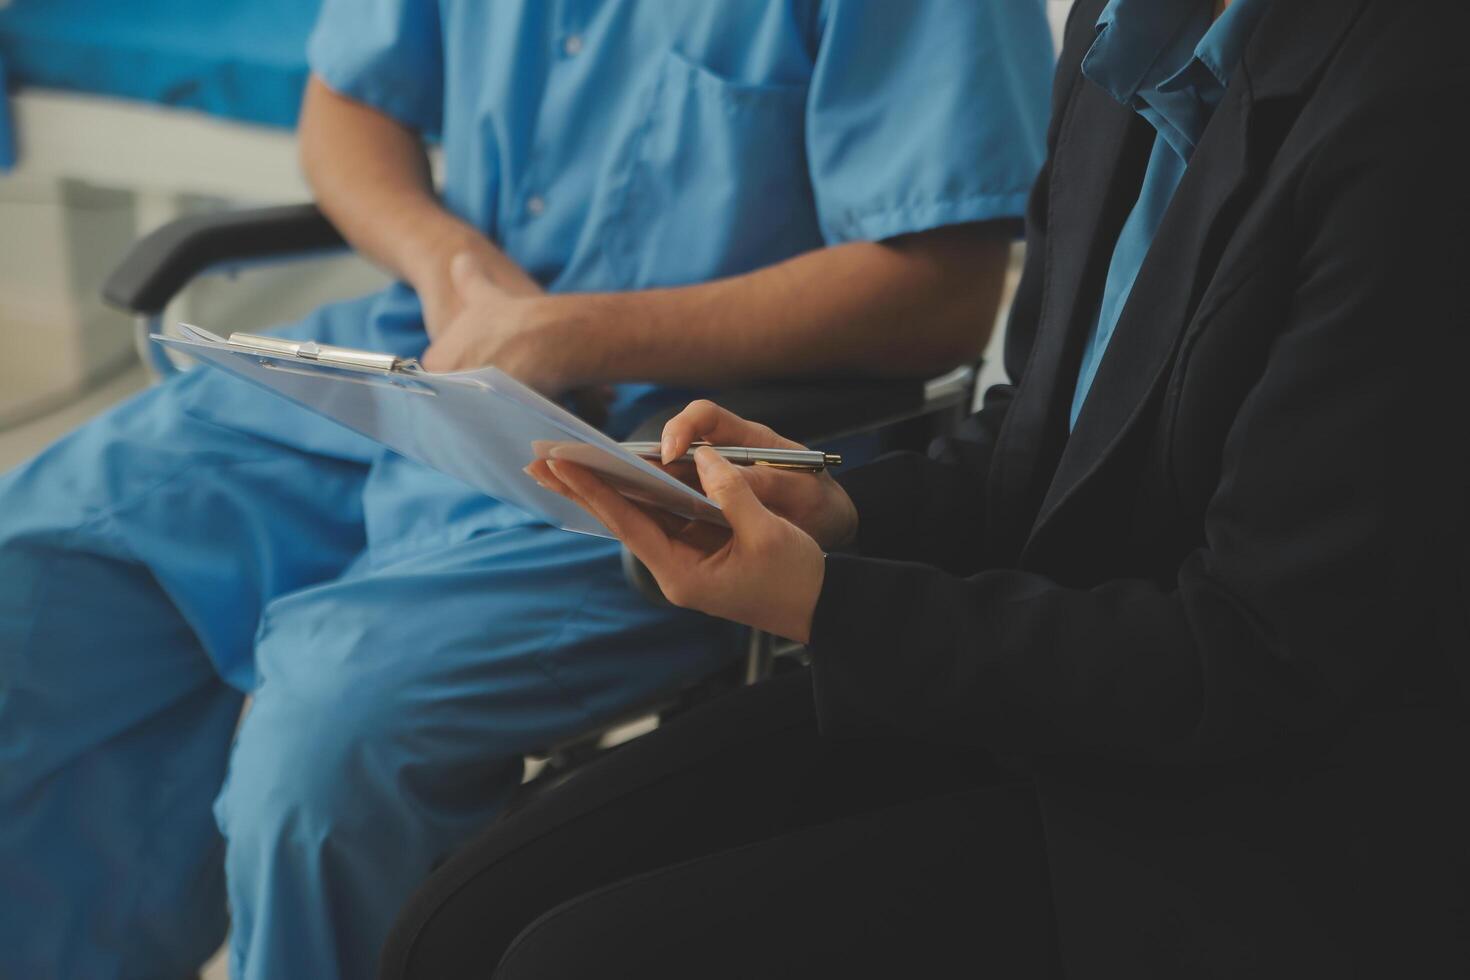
(666, 450)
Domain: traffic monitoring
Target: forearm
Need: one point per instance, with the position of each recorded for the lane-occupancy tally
(371, 176)
(907, 308)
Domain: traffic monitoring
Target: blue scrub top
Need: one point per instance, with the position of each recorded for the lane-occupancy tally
(1170, 64)
(612, 145)
(625, 144)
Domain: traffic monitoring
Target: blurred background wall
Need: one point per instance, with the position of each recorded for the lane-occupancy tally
(1057, 11)
(120, 117)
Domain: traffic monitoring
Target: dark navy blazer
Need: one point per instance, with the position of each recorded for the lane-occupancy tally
(1221, 623)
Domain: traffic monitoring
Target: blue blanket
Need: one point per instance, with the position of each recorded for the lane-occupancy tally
(239, 59)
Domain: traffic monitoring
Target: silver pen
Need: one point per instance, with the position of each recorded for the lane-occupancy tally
(805, 460)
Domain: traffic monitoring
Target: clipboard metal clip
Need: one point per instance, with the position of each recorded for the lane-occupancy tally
(310, 350)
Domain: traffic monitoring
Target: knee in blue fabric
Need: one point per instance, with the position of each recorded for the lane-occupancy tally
(346, 785)
(347, 739)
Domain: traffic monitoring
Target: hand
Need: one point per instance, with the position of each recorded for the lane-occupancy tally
(763, 571)
(438, 299)
(441, 299)
(493, 326)
(813, 502)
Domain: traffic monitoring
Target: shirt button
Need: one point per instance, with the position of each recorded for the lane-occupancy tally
(535, 205)
(572, 45)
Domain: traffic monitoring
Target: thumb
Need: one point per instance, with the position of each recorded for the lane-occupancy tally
(467, 275)
(724, 485)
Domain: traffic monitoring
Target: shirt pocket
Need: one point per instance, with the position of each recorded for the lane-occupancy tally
(712, 181)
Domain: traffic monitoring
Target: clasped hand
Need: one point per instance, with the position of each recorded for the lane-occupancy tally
(766, 570)
(473, 322)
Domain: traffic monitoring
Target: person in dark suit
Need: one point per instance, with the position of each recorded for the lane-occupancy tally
(1158, 668)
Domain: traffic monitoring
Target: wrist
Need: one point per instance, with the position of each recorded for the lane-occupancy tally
(550, 344)
(425, 259)
(807, 595)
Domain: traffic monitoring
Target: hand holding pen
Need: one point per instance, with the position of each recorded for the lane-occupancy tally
(799, 460)
(807, 497)
(767, 567)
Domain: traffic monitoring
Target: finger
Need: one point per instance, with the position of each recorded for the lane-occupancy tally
(554, 485)
(627, 522)
(704, 420)
(541, 473)
(724, 485)
(443, 354)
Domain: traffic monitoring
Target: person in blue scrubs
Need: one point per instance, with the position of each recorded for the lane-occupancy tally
(660, 196)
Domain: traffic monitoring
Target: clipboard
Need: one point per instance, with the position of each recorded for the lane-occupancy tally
(481, 427)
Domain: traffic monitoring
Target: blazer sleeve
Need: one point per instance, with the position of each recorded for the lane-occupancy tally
(1331, 539)
(913, 507)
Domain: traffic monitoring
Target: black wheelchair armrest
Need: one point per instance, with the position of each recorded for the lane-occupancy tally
(162, 263)
(820, 410)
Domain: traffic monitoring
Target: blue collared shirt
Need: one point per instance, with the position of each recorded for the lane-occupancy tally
(1170, 64)
(611, 145)
(625, 144)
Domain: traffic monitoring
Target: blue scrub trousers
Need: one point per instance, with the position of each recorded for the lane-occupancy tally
(404, 640)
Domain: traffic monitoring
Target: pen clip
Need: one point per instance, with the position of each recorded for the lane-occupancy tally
(799, 467)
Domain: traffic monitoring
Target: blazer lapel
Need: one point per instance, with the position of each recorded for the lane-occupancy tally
(1296, 38)
(1103, 148)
